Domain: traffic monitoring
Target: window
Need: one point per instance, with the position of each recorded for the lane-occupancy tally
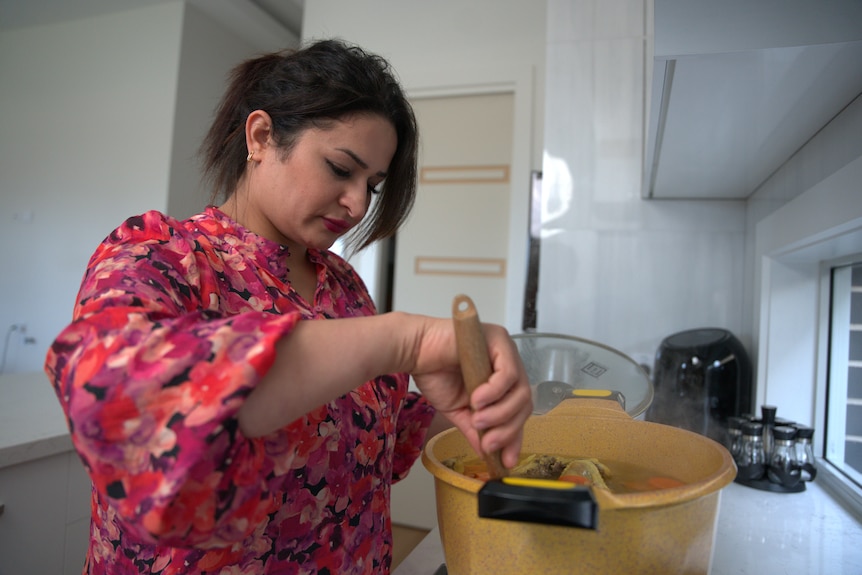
(843, 439)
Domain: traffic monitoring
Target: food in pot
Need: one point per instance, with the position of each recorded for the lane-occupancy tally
(586, 472)
(616, 476)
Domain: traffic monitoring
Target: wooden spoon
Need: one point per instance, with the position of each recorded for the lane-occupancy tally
(475, 362)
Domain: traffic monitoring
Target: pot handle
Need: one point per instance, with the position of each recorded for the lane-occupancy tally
(543, 501)
(594, 402)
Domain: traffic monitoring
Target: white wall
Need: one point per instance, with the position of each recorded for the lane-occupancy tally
(435, 42)
(84, 143)
(453, 47)
(615, 268)
(100, 118)
(808, 212)
(207, 52)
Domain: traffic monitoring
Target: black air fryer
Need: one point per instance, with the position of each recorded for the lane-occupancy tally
(701, 377)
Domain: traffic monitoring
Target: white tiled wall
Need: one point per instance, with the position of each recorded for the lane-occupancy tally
(616, 268)
(808, 212)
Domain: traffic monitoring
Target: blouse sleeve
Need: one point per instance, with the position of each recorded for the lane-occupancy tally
(413, 422)
(151, 380)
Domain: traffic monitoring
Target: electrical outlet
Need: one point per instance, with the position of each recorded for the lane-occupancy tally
(29, 340)
(22, 327)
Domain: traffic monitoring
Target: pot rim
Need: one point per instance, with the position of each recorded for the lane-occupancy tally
(714, 482)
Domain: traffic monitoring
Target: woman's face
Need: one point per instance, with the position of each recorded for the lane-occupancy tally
(322, 188)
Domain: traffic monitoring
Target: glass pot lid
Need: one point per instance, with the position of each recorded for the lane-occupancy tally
(557, 364)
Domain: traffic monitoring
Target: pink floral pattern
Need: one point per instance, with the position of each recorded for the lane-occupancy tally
(175, 324)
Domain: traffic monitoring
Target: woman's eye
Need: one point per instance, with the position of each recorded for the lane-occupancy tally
(340, 172)
(375, 189)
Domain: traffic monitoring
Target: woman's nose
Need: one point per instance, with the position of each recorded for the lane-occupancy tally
(356, 198)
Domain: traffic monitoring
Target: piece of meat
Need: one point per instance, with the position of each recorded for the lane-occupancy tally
(590, 469)
(539, 467)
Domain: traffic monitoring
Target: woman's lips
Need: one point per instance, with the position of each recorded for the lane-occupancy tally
(336, 226)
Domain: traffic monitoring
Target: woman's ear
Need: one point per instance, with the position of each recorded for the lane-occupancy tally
(258, 128)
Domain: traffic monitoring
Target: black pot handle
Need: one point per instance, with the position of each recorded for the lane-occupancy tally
(544, 501)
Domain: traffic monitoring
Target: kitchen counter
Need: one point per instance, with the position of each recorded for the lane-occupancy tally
(32, 424)
(759, 533)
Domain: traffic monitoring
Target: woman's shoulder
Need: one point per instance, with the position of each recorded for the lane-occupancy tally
(156, 226)
(152, 224)
(144, 235)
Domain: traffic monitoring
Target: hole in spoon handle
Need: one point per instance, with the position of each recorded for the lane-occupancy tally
(470, 339)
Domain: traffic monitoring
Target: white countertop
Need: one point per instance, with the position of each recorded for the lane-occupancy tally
(32, 423)
(759, 533)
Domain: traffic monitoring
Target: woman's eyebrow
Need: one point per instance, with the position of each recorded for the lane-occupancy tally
(358, 160)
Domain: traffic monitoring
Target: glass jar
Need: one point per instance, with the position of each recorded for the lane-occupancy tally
(767, 413)
(751, 463)
(804, 452)
(734, 436)
(783, 468)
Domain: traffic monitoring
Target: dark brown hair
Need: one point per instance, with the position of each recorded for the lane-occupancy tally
(300, 89)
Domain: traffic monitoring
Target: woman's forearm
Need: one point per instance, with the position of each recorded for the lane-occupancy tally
(321, 360)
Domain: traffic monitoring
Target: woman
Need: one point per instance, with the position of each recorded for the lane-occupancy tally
(224, 428)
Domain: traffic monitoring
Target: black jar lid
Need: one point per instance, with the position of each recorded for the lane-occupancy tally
(735, 423)
(752, 428)
(804, 432)
(784, 432)
(768, 413)
(782, 421)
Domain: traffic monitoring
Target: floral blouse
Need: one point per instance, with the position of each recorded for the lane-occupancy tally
(175, 324)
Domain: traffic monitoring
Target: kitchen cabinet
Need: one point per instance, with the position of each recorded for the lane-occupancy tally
(739, 86)
(46, 518)
(44, 489)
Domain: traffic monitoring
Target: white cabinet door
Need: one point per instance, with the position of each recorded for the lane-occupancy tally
(44, 525)
(457, 238)
(32, 527)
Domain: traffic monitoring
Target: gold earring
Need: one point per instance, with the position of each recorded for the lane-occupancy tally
(250, 154)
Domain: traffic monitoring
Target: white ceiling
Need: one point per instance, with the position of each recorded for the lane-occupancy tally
(23, 13)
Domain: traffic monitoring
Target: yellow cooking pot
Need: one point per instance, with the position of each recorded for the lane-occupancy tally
(656, 532)
(505, 527)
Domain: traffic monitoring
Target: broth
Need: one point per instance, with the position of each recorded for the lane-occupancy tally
(618, 476)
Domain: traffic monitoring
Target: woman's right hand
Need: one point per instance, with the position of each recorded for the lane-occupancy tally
(498, 408)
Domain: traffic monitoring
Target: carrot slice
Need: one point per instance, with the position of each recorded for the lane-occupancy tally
(474, 469)
(578, 479)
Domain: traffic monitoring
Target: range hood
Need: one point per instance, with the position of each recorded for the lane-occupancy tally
(738, 86)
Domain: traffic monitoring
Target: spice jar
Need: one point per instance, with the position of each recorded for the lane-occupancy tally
(783, 468)
(751, 463)
(804, 452)
(767, 413)
(734, 435)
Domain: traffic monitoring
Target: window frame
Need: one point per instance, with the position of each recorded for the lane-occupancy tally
(831, 476)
